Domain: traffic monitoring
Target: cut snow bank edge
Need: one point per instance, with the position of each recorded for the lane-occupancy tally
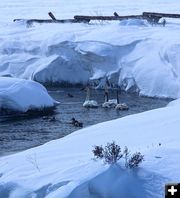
(136, 61)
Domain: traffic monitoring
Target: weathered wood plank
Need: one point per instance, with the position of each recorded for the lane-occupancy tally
(152, 17)
(116, 14)
(52, 16)
(108, 18)
(161, 15)
(30, 21)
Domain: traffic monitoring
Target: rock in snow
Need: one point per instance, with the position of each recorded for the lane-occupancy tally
(23, 95)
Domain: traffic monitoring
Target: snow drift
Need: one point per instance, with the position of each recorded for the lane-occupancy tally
(22, 95)
(132, 54)
(64, 167)
(130, 65)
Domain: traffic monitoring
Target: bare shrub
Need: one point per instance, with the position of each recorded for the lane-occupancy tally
(98, 152)
(112, 153)
(126, 156)
(135, 160)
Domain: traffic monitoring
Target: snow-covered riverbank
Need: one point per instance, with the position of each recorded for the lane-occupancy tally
(21, 95)
(133, 54)
(60, 166)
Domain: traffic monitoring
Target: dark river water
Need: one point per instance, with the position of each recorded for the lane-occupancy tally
(20, 132)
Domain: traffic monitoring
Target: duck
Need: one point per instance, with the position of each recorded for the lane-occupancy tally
(120, 106)
(70, 95)
(89, 103)
(76, 123)
(52, 119)
(49, 118)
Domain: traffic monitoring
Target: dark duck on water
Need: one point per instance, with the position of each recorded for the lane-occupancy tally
(76, 123)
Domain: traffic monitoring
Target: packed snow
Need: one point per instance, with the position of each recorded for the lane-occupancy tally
(65, 167)
(22, 95)
(132, 53)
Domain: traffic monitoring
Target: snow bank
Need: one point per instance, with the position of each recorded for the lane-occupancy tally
(133, 54)
(129, 65)
(23, 95)
(134, 22)
(174, 103)
(64, 167)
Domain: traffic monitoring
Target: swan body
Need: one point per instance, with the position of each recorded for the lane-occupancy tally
(110, 104)
(89, 103)
(114, 103)
(121, 107)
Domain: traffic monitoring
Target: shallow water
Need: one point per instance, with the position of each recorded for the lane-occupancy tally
(20, 132)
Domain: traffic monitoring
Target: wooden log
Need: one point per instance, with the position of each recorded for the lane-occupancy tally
(116, 14)
(30, 21)
(160, 15)
(52, 16)
(152, 17)
(106, 18)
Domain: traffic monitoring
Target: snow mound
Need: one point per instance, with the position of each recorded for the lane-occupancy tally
(115, 181)
(174, 103)
(124, 59)
(64, 167)
(23, 95)
(134, 22)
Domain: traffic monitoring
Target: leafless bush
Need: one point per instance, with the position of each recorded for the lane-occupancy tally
(111, 154)
(98, 152)
(126, 156)
(135, 160)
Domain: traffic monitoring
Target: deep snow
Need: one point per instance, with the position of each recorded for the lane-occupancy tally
(64, 167)
(133, 54)
(21, 95)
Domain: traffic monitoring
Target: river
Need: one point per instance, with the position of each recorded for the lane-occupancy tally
(20, 132)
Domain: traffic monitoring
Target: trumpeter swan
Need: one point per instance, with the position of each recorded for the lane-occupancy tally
(89, 103)
(108, 103)
(120, 106)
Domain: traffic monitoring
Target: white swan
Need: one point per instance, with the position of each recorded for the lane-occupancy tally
(108, 103)
(114, 103)
(89, 103)
(120, 106)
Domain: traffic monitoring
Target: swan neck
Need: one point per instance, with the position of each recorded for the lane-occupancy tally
(88, 94)
(106, 94)
(117, 94)
(106, 97)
